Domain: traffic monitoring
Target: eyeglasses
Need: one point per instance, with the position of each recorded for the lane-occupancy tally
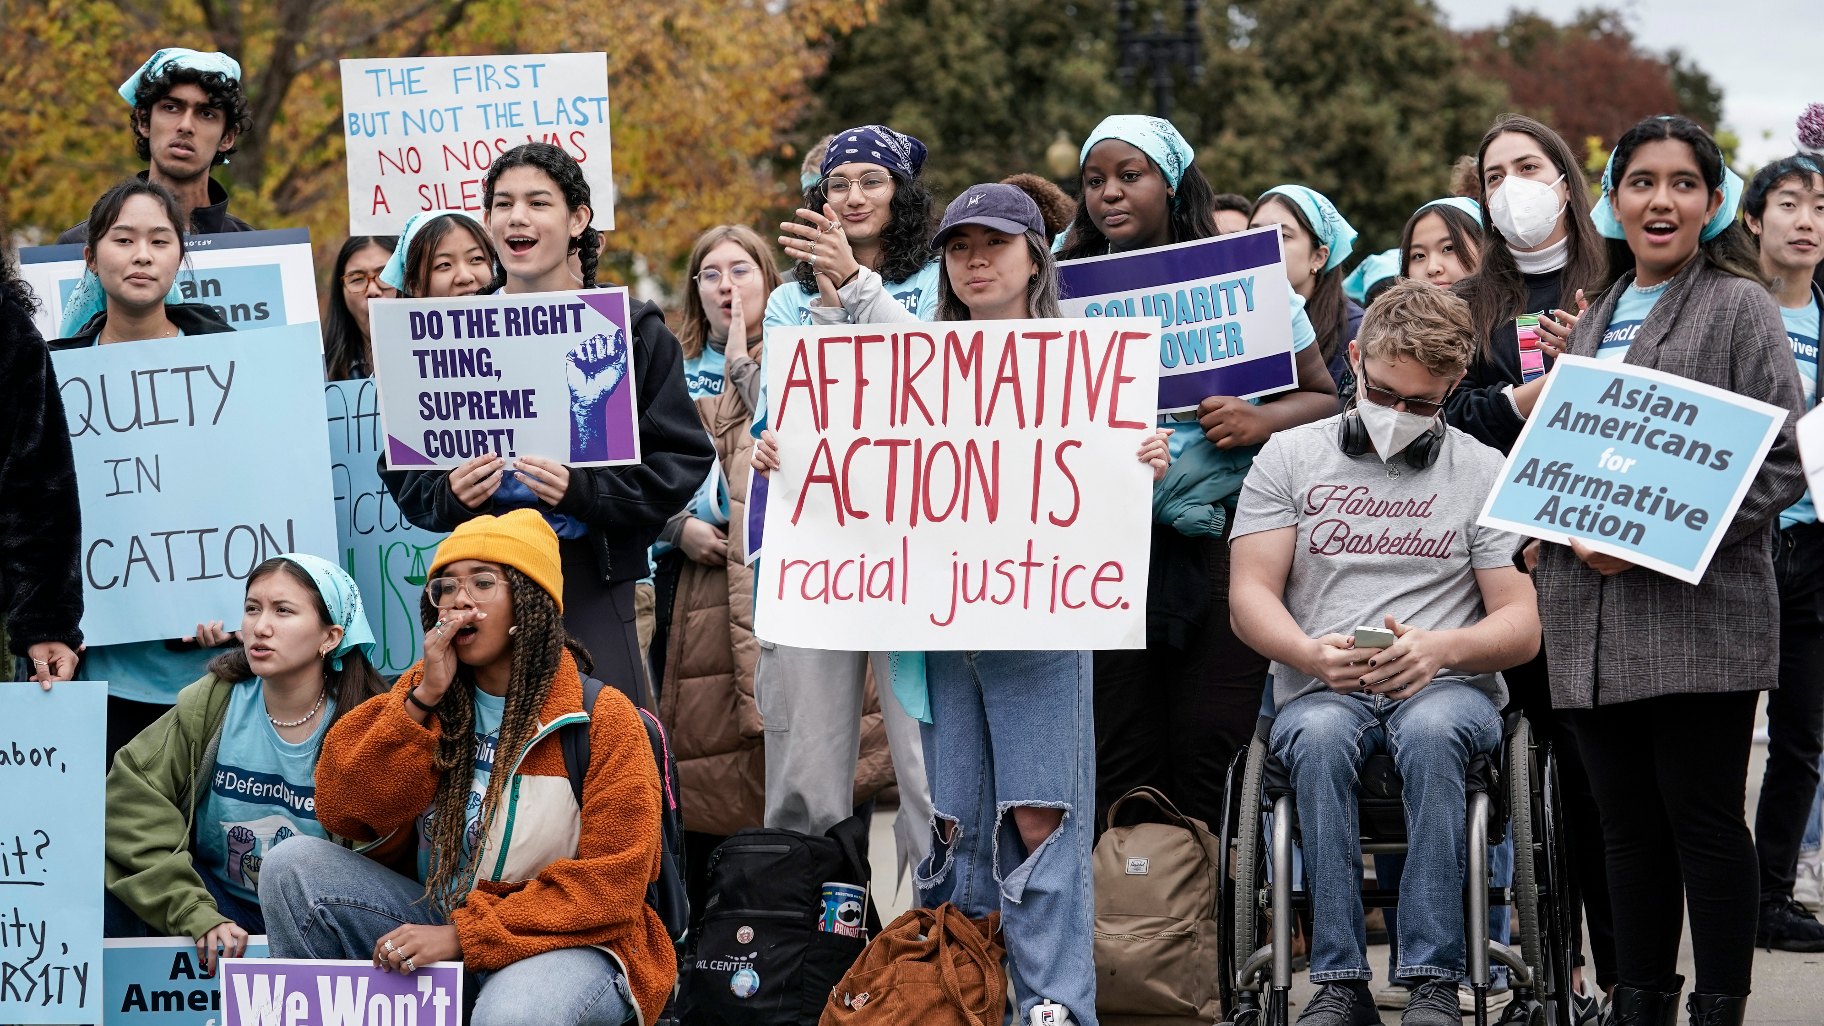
(1420, 407)
(482, 587)
(357, 281)
(836, 186)
(738, 274)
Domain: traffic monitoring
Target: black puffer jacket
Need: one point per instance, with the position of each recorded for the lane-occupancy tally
(40, 520)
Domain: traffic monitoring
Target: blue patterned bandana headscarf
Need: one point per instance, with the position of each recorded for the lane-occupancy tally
(343, 600)
(1155, 137)
(875, 144)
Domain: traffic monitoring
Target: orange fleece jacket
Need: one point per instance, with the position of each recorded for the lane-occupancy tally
(376, 775)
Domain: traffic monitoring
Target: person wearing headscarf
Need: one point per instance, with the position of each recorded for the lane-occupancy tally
(199, 800)
(1317, 240)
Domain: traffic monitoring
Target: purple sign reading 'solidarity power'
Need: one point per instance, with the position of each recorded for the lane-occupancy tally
(543, 374)
(306, 992)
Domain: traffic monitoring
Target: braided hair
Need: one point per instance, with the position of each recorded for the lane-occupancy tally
(563, 169)
(537, 651)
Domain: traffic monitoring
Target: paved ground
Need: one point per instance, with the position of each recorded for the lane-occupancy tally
(1788, 988)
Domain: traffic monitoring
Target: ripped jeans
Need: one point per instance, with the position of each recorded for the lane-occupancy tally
(1016, 729)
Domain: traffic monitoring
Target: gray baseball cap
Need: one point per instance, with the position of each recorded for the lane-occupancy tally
(1005, 208)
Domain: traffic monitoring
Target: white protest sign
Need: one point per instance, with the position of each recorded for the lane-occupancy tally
(422, 131)
(1811, 449)
(959, 486)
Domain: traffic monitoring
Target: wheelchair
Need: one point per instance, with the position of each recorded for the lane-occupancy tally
(1519, 780)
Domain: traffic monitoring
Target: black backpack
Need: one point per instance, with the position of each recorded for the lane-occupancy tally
(666, 895)
(760, 959)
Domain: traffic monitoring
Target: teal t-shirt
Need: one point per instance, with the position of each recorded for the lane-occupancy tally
(263, 791)
(1184, 427)
(489, 710)
(706, 373)
(1631, 312)
(1802, 331)
(145, 671)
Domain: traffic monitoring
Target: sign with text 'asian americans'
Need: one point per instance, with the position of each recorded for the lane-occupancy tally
(1633, 462)
(338, 992)
(196, 459)
(543, 374)
(158, 981)
(968, 485)
(1223, 306)
(422, 131)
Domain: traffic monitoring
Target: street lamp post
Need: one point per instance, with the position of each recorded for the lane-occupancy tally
(1160, 49)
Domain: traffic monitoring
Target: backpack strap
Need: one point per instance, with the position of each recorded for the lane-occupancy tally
(655, 729)
(575, 740)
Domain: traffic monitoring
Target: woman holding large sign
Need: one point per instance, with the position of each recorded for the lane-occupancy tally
(1662, 677)
(1171, 716)
(538, 213)
(1317, 239)
(464, 763)
(199, 800)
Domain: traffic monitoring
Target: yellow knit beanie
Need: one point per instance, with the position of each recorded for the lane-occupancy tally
(520, 539)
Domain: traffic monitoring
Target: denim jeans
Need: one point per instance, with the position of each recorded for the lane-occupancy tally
(1323, 739)
(325, 901)
(1814, 827)
(1013, 729)
(1500, 874)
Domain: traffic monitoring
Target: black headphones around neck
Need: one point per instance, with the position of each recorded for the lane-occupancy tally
(1420, 453)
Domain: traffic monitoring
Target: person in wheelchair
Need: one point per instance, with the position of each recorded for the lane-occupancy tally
(1369, 519)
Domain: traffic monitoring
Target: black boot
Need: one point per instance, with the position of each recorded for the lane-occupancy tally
(1631, 1006)
(1716, 1009)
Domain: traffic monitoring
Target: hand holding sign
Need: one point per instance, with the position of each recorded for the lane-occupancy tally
(51, 661)
(476, 481)
(1229, 422)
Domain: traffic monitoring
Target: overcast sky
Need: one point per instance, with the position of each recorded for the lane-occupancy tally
(1767, 55)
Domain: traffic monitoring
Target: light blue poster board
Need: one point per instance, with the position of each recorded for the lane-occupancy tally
(156, 981)
(51, 851)
(378, 547)
(197, 459)
(1637, 463)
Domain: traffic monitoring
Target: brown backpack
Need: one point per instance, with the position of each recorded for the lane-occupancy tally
(931, 966)
(1156, 915)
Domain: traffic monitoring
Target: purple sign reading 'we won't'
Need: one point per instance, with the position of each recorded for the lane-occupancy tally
(334, 992)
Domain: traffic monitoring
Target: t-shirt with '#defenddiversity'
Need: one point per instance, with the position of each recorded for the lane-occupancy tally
(1376, 538)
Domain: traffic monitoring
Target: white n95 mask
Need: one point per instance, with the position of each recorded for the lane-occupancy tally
(1526, 211)
(1391, 430)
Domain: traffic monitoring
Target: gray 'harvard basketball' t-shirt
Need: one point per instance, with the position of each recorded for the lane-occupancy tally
(1376, 538)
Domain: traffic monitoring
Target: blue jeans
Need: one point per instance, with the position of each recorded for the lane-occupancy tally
(1500, 874)
(1323, 739)
(1812, 838)
(1013, 729)
(325, 901)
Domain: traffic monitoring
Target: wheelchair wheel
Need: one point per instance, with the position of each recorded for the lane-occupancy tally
(1539, 868)
(1523, 805)
(1561, 920)
(1250, 857)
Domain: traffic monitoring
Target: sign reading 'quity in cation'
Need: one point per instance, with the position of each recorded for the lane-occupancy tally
(959, 486)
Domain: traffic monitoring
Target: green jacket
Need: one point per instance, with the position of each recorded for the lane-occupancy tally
(155, 786)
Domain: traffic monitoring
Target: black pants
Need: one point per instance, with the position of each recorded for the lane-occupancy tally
(602, 617)
(1172, 716)
(1795, 712)
(1670, 776)
(1588, 887)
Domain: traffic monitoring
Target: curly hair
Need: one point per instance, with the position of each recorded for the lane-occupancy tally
(537, 651)
(225, 94)
(1193, 216)
(345, 347)
(1730, 251)
(905, 243)
(694, 331)
(1421, 322)
(1056, 208)
(563, 169)
(13, 287)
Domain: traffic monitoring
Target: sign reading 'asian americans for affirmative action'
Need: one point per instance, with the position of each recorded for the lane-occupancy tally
(971, 485)
(1633, 462)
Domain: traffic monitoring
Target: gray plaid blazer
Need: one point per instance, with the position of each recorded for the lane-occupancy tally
(1641, 634)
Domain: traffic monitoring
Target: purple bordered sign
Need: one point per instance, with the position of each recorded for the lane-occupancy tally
(1224, 310)
(263, 991)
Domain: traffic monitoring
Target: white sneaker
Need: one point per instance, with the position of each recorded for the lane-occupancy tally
(1497, 999)
(1050, 1013)
(1392, 995)
(1808, 886)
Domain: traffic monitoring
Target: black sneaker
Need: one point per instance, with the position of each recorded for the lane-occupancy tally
(1786, 926)
(1344, 1003)
(1434, 1003)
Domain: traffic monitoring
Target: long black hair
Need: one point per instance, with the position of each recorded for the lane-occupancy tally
(1193, 216)
(346, 348)
(1730, 250)
(1465, 234)
(568, 174)
(13, 288)
(905, 243)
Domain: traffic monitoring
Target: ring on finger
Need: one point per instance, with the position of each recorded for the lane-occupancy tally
(409, 967)
(388, 945)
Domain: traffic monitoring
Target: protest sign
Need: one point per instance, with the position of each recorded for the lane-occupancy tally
(338, 992)
(196, 459)
(156, 981)
(756, 516)
(959, 486)
(1637, 463)
(1811, 450)
(379, 548)
(547, 374)
(252, 279)
(422, 131)
(51, 850)
(1223, 306)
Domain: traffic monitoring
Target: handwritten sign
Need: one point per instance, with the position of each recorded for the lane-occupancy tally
(196, 461)
(51, 851)
(959, 486)
(1637, 463)
(338, 992)
(379, 548)
(156, 981)
(422, 131)
(252, 279)
(1223, 306)
(548, 374)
